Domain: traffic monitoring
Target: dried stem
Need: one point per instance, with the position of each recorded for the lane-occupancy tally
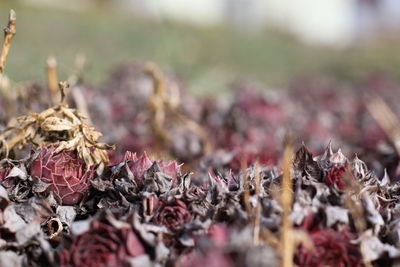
(196, 128)
(157, 102)
(386, 119)
(158, 78)
(80, 61)
(355, 207)
(246, 193)
(76, 92)
(287, 239)
(160, 103)
(80, 103)
(9, 33)
(52, 78)
(257, 217)
(270, 238)
(63, 85)
(353, 189)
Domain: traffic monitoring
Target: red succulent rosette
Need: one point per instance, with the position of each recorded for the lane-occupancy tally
(67, 175)
(331, 248)
(102, 245)
(173, 215)
(335, 176)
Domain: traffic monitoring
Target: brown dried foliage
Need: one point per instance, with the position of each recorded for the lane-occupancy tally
(58, 125)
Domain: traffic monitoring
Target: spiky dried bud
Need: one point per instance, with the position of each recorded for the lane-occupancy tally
(139, 166)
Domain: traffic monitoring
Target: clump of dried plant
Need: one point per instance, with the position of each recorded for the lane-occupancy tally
(59, 125)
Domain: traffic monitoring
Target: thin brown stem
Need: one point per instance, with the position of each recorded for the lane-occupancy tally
(386, 119)
(246, 193)
(80, 61)
(287, 240)
(52, 78)
(9, 33)
(63, 85)
(257, 217)
(76, 90)
(354, 205)
(157, 103)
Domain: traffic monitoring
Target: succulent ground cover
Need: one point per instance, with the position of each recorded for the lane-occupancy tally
(250, 180)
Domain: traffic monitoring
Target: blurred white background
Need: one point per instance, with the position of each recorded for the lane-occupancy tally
(332, 22)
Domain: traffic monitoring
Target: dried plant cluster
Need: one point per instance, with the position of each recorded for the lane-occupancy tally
(59, 125)
(221, 184)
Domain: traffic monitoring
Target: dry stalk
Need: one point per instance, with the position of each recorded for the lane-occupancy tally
(196, 128)
(246, 189)
(257, 217)
(9, 33)
(160, 104)
(76, 92)
(287, 238)
(52, 79)
(355, 207)
(80, 102)
(63, 85)
(157, 103)
(386, 119)
(270, 238)
(80, 61)
(352, 190)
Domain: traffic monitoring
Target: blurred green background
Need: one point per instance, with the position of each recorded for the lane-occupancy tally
(209, 58)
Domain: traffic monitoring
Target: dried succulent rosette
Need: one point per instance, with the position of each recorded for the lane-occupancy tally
(332, 248)
(68, 176)
(138, 166)
(173, 215)
(102, 245)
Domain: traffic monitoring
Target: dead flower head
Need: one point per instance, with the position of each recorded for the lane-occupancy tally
(59, 125)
